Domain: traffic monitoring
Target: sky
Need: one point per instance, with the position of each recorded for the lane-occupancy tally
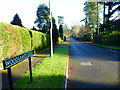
(72, 10)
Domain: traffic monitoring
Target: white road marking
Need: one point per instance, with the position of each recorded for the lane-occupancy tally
(86, 63)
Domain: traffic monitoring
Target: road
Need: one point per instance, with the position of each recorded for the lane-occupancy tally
(92, 67)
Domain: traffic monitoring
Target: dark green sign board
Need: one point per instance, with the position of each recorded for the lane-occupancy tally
(14, 60)
(8, 63)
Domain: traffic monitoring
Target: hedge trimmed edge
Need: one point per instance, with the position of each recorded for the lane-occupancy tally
(15, 40)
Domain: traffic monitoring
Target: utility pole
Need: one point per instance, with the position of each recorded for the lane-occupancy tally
(51, 39)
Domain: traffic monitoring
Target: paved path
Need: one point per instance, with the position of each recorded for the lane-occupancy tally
(19, 70)
(92, 67)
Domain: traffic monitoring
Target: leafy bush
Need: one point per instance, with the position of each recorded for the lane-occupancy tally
(59, 40)
(111, 38)
(85, 37)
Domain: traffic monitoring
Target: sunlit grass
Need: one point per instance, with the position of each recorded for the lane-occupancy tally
(48, 73)
(116, 47)
(41, 55)
(66, 42)
(106, 46)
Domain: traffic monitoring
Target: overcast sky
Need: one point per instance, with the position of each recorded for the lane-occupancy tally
(72, 10)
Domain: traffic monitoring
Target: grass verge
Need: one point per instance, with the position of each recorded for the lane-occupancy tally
(102, 45)
(106, 46)
(115, 47)
(48, 73)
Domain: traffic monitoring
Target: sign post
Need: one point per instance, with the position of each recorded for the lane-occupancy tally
(30, 69)
(10, 78)
(8, 63)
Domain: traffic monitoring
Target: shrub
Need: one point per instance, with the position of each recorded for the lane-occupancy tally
(111, 38)
(59, 40)
(85, 37)
(97, 39)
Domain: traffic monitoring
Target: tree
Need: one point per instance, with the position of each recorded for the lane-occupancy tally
(92, 19)
(111, 11)
(33, 28)
(55, 31)
(61, 31)
(16, 20)
(60, 20)
(43, 18)
(75, 29)
(112, 8)
(67, 32)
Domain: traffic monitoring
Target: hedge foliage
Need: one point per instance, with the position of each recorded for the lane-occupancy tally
(109, 38)
(85, 37)
(39, 41)
(15, 40)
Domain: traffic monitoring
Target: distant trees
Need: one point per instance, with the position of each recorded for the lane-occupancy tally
(75, 29)
(61, 31)
(55, 31)
(106, 32)
(67, 32)
(43, 19)
(92, 20)
(84, 34)
(33, 28)
(16, 20)
(60, 20)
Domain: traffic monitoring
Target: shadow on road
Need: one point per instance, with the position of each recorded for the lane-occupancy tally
(83, 84)
(87, 51)
(104, 71)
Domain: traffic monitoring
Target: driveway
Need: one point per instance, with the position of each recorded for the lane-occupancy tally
(92, 66)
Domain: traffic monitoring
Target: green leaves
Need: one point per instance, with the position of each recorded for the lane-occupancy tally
(91, 11)
(43, 13)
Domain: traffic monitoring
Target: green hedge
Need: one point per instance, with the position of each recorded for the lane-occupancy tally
(111, 38)
(39, 41)
(85, 37)
(15, 40)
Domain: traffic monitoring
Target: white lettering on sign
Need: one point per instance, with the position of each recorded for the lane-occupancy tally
(14, 60)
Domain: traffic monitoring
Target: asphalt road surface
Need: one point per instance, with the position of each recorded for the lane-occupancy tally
(92, 66)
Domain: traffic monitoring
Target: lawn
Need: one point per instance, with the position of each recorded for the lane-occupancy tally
(48, 73)
(109, 46)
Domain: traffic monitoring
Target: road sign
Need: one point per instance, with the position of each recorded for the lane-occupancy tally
(8, 63)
